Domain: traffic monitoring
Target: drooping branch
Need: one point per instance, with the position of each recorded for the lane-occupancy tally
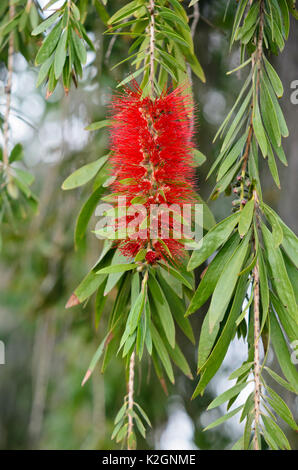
(152, 44)
(130, 397)
(8, 89)
(256, 62)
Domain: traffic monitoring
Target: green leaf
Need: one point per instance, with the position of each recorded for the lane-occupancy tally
(88, 286)
(84, 174)
(275, 433)
(208, 366)
(181, 276)
(277, 232)
(46, 24)
(241, 370)
(199, 157)
(290, 242)
(79, 47)
(227, 395)
(179, 359)
(163, 310)
(282, 353)
(214, 238)
(162, 352)
(85, 215)
(280, 277)
(16, 154)
(231, 157)
(211, 276)
(60, 55)
(280, 380)
(281, 408)
(117, 268)
(44, 70)
(177, 307)
(134, 316)
(132, 76)
(259, 130)
(226, 284)
(99, 303)
(113, 278)
(268, 111)
(245, 218)
(289, 325)
(223, 419)
(125, 12)
(274, 78)
(95, 359)
(98, 125)
(49, 44)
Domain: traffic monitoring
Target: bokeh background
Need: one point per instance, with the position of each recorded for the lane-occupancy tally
(48, 348)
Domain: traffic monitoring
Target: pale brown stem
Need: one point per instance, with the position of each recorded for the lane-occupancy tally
(257, 390)
(196, 17)
(8, 90)
(152, 45)
(130, 396)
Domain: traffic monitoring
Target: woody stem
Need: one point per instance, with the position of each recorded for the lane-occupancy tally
(152, 45)
(130, 396)
(8, 89)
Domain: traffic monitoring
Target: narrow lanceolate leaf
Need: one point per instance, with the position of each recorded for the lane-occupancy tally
(214, 238)
(227, 395)
(163, 310)
(277, 232)
(95, 359)
(117, 268)
(46, 24)
(79, 47)
(223, 418)
(60, 55)
(84, 174)
(199, 157)
(259, 130)
(280, 277)
(282, 353)
(290, 242)
(98, 125)
(85, 215)
(245, 218)
(162, 352)
(49, 44)
(134, 316)
(211, 276)
(208, 366)
(226, 284)
(274, 78)
(281, 408)
(177, 307)
(275, 433)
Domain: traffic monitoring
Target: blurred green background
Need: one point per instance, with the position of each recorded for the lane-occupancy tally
(48, 348)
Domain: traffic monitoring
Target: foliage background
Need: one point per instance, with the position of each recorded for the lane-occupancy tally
(48, 348)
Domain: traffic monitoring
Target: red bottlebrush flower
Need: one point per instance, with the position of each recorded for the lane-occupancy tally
(151, 143)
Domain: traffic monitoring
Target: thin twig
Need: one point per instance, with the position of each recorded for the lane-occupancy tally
(8, 88)
(130, 397)
(196, 18)
(257, 388)
(152, 44)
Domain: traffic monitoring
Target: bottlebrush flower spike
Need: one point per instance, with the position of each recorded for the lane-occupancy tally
(151, 143)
